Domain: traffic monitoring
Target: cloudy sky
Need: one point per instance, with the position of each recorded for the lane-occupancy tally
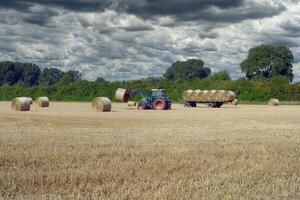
(131, 39)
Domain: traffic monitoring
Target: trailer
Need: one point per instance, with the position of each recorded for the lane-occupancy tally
(212, 98)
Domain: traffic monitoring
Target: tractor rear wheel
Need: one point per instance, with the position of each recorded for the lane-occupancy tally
(159, 104)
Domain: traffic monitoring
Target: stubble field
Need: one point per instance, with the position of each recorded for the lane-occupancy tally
(70, 151)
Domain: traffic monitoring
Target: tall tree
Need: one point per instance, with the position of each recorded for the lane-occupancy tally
(267, 61)
(186, 70)
(51, 76)
(70, 77)
(13, 72)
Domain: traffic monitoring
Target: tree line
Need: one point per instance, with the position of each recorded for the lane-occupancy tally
(268, 71)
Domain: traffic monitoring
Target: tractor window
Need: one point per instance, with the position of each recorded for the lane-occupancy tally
(158, 93)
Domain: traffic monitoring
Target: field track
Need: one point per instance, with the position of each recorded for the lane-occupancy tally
(70, 151)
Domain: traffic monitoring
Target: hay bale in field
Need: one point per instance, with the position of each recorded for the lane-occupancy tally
(195, 94)
(235, 102)
(101, 104)
(131, 103)
(21, 104)
(42, 102)
(122, 95)
(273, 102)
(187, 95)
(31, 100)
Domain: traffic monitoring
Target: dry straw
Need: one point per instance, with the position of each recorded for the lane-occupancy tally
(122, 95)
(101, 104)
(273, 102)
(42, 102)
(131, 103)
(21, 104)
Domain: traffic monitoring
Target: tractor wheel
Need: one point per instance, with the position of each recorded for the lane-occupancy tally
(140, 106)
(159, 104)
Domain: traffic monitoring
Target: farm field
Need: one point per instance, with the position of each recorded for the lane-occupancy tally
(70, 151)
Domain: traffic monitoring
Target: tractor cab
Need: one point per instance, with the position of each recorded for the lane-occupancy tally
(158, 93)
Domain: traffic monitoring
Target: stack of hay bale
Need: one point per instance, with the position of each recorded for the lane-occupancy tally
(101, 104)
(208, 96)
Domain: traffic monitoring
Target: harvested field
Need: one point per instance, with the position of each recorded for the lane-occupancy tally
(70, 151)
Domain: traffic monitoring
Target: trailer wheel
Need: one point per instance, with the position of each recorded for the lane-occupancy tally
(190, 104)
(140, 106)
(159, 104)
(215, 104)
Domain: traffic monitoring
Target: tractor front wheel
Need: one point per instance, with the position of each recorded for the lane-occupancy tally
(140, 106)
(159, 104)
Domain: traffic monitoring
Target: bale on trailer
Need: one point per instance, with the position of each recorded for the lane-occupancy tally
(42, 102)
(220, 95)
(273, 102)
(122, 95)
(202, 95)
(235, 102)
(131, 103)
(211, 95)
(230, 96)
(187, 94)
(21, 104)
(195, 94)
(101, 104)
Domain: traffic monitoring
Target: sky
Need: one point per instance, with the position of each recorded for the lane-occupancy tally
(133, 39)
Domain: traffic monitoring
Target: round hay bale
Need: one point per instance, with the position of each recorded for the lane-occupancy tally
(30, 99)
(122, 95)
(211, 95)
(235, 102)
(273, 102)
(195, 94)
(202, 95)
(187, 95)
(101, 104)
(220, 95)
(230, 96)
(42, 102)
(21, 104)
(131, 103)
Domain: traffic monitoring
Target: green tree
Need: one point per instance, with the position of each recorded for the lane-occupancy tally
(51, 76)
(70, 77)
(186, 70)
(219, 76)
(266, 61)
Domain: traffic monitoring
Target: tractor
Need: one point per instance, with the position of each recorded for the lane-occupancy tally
(157, 99)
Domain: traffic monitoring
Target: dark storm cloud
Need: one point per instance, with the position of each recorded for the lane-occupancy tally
(188, 10)
(131, 39)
